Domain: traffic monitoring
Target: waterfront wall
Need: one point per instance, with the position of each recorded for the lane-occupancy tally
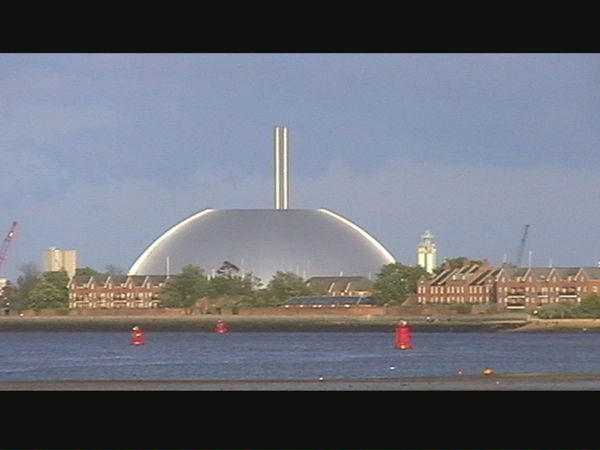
(413, 310)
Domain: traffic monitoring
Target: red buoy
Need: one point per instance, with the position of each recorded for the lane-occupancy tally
(221, 327)
(137, 336)
(403, 336)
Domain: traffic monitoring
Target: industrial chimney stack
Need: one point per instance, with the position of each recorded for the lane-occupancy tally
(281, 168)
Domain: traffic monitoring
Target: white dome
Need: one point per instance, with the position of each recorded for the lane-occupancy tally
(262, 241)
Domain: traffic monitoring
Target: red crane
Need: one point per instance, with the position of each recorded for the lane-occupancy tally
(6, 243)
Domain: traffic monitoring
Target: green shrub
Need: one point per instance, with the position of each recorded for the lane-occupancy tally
(558, 311)
(463, 308)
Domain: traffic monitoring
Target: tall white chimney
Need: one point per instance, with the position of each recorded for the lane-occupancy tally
(281, 168)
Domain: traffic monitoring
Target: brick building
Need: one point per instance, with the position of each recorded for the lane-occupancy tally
(538, 286)
(471, 283)
(509, 287)
(115, 291)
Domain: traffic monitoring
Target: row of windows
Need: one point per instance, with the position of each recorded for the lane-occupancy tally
(545, 290)
(480, 289)
(530, 279)
(114, 304)
(543, 300)
(453, 299)
(112, 295)
(454, 289)
(117, 286)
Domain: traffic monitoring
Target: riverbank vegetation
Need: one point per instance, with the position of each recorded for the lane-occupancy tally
(227, 287)
(589, 308)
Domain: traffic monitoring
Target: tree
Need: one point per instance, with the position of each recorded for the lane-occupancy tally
(229, 283)
(395, 282)
(50, 292)
(589, 306)
(228, 270)
(185, 289)
(230, 287)
(111, 269)
(455, 263)
(285, 285)
(87, 271)
(25, 284)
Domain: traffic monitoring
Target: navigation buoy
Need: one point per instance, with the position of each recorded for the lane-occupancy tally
(221, 327)
(137, 336)
(403, 336)
(488, 372)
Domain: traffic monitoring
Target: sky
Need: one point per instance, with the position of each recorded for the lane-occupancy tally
(102, 153)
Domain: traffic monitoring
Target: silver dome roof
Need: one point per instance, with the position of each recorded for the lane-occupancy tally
(308, 242)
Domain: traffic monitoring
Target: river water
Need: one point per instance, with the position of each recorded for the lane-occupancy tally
(48, 356)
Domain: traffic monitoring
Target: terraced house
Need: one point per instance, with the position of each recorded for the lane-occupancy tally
(509, 287)
(471, 283)
(115, 291)
(537, 286)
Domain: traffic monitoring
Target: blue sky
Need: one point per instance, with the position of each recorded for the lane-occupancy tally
(104, 152)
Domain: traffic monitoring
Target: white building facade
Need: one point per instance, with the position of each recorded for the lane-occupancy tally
(427, 252)
(56, 260)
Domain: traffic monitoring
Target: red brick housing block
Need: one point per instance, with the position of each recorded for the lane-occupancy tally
(509, 287)
(115, 291)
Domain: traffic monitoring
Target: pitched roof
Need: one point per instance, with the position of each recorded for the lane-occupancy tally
(341, 283)
(593, 273)
(564, 272)
(540, 273)
(119, 279)
(513, 272)
(330, 301)
(473, 273)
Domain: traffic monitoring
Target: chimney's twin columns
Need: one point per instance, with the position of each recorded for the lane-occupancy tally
(281, 168)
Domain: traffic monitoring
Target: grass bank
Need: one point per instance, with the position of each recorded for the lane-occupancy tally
(560, 326)
(254, 323)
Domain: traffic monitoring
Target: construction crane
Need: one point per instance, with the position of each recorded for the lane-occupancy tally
(6, 243)
(522, 247)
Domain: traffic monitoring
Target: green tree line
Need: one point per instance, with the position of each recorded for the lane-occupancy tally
(393, 285)
(192, 284)
(36, 290)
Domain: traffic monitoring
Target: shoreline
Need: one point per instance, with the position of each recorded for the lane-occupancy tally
(520, 381)
(240, 323)
(269, 323)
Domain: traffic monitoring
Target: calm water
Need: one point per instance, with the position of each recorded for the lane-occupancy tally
(254, 355)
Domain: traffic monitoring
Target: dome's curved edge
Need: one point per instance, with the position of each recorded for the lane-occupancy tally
(142, 258)
(374, 242)
(384, 252)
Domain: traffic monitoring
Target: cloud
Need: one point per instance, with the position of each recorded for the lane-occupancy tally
(474, 210)
(113, 220)
(104, 152)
